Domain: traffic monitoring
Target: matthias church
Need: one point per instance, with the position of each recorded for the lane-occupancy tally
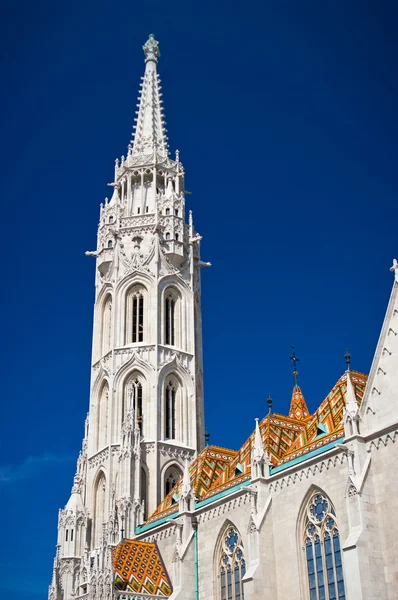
(304, 509)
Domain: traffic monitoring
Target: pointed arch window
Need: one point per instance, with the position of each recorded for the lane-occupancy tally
(106, 341)
(171, 477)
(170, 410)
(322, 550)
(99, 509)
(135, 316)
(138, 317)
(102, 418)
(170, 304)
(231, 566)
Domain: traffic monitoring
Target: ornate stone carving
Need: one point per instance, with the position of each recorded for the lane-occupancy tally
(99, 458)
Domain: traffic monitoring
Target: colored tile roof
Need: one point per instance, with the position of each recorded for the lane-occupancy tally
(298, 407)
(139, 568)
(206, 468)
(326, 424)
(284, 438)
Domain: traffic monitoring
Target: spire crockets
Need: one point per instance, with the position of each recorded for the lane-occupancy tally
(298, 407)
(150, 132)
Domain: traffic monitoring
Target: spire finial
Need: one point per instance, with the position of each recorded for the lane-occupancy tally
(394, 268)
(207, 437)
(295, 360)
(151, 49)
(269, 402)
(347, 357)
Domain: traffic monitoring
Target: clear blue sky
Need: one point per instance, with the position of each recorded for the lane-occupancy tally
(285, 116)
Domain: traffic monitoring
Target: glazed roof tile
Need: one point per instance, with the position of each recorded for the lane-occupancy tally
(284, 437)
(298, 406)
(206, 468)
(139, 568)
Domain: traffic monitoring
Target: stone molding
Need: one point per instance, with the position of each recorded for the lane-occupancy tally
(99, 458)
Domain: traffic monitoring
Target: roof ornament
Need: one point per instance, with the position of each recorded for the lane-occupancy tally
(394, 268)
(186, 492)
(259, 458)
(269, 402)
(151, 49)
(347, 357)
(207, 437)
(295, 360)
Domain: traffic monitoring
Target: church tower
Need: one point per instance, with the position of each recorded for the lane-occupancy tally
(146, 398)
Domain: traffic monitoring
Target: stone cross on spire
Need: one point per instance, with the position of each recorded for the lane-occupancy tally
(394, 268)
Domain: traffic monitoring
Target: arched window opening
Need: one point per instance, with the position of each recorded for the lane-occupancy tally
(322, 550)
(111, 219)
(170, 304)
(138, 317)
(99, 510)
(171, 477)
(167, 211)
(176, 236)
(135, 316)
(168, 235)
(110, 243)
(106, 341)
(170, 429)
(231, 566)
(144, 495)
(102, 420)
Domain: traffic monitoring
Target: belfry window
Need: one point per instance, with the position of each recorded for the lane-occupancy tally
(135, 315)
(170, 320)
(138, 317)
(170, 411)
(167, 236)
(232, 566)
(110, 244)
(322, 550)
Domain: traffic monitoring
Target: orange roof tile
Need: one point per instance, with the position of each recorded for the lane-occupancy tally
(284, 438)
(139, 568)
(298, 407)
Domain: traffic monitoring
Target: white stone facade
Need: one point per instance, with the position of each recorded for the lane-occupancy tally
(146, 402)
(146, 420)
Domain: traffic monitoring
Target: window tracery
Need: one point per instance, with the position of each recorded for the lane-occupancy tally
(232, 566)
(322, 550)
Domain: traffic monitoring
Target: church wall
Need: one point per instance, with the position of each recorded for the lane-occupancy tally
(384, 471)
(279, 570)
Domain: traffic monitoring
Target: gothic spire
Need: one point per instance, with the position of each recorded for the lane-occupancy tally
(298, 406)
(150, 132)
